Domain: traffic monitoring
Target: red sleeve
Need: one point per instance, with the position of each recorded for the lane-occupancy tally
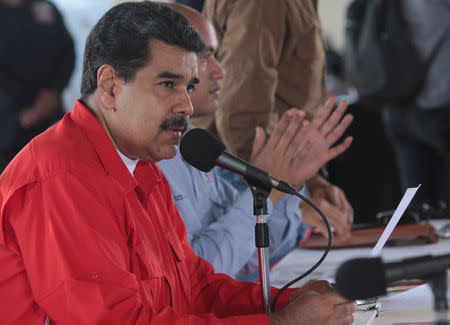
(76, 255)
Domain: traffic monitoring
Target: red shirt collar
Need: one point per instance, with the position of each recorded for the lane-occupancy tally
(108, 155)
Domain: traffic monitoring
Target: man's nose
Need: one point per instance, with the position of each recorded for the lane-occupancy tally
(184, 105)
(216, 69)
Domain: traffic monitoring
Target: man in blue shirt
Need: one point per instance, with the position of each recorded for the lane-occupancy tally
(219, 219)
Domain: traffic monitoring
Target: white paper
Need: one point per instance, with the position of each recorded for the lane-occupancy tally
(410, 192)
(419, 297)
(364, 317)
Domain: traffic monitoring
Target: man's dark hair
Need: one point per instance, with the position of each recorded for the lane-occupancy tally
(121, 39)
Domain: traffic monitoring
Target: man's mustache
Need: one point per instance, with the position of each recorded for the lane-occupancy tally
(177, 122)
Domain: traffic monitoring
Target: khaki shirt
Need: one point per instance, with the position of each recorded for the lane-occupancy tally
(273, 54)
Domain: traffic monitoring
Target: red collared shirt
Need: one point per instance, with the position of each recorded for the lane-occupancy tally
(85, 242)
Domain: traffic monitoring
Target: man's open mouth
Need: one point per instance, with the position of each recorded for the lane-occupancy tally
(180, 129)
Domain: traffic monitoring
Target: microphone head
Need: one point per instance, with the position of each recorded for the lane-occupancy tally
(201, 149)
(361, 278)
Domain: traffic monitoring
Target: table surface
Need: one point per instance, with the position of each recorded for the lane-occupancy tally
(299, 260)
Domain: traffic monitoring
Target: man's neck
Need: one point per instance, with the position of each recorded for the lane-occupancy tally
(94, 106)
(129, 163)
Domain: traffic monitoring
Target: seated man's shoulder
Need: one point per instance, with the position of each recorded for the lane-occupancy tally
(58, 150)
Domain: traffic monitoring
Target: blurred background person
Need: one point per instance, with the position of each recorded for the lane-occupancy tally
(419, 130)
(397, 57)
(274, 57)
(273, 53)
(36, 60)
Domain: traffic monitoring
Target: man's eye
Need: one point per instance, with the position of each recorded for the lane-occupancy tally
(190, 88)
(168, 84)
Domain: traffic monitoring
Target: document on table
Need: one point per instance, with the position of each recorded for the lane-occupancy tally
(409, 194)
(364, 317)
(414, 306)
(404, 202)
(419, 297)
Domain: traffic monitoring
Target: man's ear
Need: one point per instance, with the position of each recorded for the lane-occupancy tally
(107, 85)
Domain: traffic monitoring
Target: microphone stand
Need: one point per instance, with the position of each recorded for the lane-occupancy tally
(438, 284)
(260, 194)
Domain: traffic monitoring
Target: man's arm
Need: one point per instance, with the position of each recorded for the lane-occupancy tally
(77, 255)
(227, 241)
(215, 292)
(220, 222)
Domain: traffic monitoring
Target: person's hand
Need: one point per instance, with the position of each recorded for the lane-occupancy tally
(44, 105)
(320, 286)
(315, 303)
(316, 140)
(336, 218)
(276, 155)
(298, 148)
(332, 201)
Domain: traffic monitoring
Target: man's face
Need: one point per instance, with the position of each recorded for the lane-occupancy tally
(152, 110)
(210, 72)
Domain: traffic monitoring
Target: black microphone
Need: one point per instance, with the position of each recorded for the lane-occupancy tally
(203, 150)
(364, 278)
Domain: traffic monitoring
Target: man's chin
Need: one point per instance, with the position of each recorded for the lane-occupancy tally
(169, 152)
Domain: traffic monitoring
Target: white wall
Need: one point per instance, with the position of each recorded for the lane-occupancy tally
(332, 15)
(79, 17)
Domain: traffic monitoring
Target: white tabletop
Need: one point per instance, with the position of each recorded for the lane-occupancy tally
(299, 260)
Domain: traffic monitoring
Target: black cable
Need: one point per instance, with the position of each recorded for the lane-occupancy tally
(325, 253)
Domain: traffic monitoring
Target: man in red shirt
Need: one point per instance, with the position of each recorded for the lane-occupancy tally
(89, 233)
